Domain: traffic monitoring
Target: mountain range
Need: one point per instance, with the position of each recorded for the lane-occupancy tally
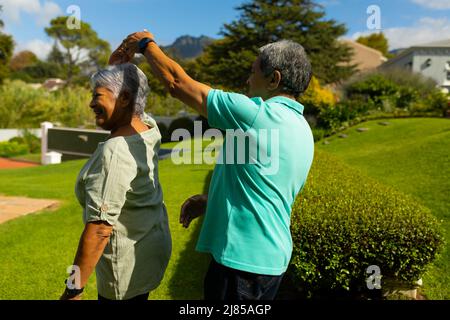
(188, 47)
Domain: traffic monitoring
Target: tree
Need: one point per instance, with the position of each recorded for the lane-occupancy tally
(376, 41)
(22, 60)
(227, 62)
(55, 55)
(6, 51)
(83, 46)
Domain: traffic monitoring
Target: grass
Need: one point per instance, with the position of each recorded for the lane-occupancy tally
(36, 250)
(413, 156)
(30, 157)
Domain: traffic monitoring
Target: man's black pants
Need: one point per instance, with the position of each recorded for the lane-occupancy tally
(226, 284)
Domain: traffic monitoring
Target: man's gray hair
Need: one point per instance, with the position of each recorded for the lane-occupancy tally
(290, 59)
(124, 77)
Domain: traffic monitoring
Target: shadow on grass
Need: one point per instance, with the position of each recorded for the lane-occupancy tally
(187, 280)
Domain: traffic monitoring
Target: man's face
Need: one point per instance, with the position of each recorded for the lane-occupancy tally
(257, 82)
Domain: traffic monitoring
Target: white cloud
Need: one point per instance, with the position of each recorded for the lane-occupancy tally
(434, 4)
(39, 47)
(43, 12)
(424, 31)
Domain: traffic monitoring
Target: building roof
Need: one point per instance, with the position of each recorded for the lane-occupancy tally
(364, 57)
(435, 44)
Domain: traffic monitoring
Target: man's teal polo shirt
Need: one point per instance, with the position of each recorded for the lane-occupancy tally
(247, 221)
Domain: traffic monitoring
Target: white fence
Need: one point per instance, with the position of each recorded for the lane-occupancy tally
(6, 134)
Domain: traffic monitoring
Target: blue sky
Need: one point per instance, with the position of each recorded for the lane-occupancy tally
(405, 22)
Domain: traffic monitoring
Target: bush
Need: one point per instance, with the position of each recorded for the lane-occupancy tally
(317, 98)
(182, 123)
(345, 222)
(32, 142)
(164, 132)
(25, 107)
(12, 149)
(393, 91)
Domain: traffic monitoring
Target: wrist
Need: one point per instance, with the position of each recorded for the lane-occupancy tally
(72, 292)
(144, 43)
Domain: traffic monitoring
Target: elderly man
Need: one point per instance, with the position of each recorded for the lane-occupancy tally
(247, 223)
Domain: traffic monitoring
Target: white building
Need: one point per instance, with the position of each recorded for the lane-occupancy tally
(431, 59)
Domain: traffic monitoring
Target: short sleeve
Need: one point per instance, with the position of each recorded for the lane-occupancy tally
(231, 110)
(106, 187)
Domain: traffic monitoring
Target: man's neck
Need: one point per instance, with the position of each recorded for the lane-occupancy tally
(282, 95)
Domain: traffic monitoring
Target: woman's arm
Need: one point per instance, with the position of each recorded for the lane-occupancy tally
(177, 82)
(90, 248)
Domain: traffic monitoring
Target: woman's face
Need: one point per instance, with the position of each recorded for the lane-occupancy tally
(110, 113)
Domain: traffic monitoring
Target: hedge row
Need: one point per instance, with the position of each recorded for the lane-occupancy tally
(344, 222)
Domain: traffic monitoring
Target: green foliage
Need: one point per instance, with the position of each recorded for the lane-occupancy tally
(376, 41)
(411, 155)
(25, 107)
(6, 51)
(39, 72)
(227, 62)
(394, 92)
(345, 222)
(22, 59)
(32, 142)
(164, 105)
(73, 41)
(12, 149)
(181, 123)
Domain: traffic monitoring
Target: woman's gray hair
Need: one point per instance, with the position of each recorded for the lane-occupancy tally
(124, 77)
(290, 59)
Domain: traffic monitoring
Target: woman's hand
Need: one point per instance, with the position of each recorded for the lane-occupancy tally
(65, 296)
(128, 48)
(193, 208)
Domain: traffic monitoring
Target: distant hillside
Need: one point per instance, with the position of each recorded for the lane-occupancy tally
(187, 47)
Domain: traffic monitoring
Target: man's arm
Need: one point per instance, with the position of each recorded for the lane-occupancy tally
(178, 83)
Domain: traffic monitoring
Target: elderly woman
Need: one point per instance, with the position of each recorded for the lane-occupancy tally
(126, 236)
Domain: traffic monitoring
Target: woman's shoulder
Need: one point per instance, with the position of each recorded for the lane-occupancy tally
(116, 150)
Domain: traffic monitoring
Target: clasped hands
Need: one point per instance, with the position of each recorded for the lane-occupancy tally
(129, 47)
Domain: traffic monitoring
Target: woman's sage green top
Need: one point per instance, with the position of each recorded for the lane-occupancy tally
(120, 185)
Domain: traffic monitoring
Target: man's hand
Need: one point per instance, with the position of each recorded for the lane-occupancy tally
(128, 48)
(193, 208)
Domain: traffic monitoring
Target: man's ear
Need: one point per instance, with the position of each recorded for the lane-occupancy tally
(274, 81)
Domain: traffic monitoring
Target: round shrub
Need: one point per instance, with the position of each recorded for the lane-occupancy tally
(165, 137)
(32, 142)
(182, 123)
(12, 149)
(344, 222)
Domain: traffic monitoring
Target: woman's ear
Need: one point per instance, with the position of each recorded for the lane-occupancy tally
(275, 81)
(124, 99)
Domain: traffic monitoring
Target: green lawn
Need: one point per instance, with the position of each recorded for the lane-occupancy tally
(36, 250)
(412, 155)
(33, 157)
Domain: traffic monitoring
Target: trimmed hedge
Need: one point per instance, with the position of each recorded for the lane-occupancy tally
(344, 222)
(182, 123)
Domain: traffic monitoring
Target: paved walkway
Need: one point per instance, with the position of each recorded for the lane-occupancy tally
(12, 164)
(14, 207)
